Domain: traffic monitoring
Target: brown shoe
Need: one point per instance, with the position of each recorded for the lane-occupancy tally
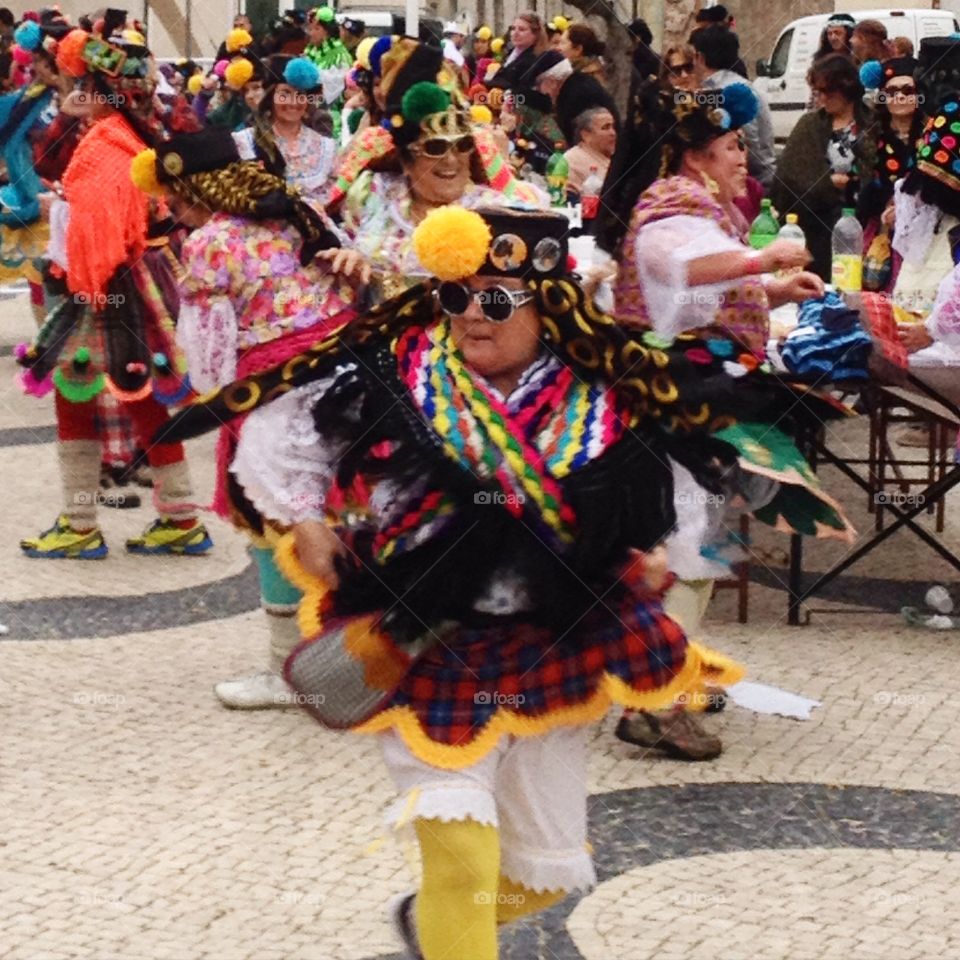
(914, 437)
(675, 732)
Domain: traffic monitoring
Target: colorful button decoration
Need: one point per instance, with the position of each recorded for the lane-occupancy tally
(951, 107)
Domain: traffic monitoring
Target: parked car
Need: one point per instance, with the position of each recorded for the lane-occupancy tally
(392, 20)
(783, 77)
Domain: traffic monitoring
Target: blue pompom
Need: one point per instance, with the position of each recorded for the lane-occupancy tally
(379, 48)
(871, 74)
(741, 103)
(28, 36)
(302, 74)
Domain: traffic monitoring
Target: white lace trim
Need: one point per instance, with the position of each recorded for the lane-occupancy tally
(914, 223)
(542, 870)
(281, 462)
(447, 802)
(663, 251)
(208, 339)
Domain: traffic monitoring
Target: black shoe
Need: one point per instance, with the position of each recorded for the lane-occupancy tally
(111, 492)
(401, 915)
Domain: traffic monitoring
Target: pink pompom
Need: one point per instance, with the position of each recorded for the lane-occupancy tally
(20, 350)
(34, 387)
(220, 68)
(21, 57)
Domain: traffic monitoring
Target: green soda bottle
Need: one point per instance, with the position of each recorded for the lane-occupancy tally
(558, 170)
(765, 228)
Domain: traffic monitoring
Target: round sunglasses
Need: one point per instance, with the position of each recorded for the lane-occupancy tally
(496, 303)
(436, 147)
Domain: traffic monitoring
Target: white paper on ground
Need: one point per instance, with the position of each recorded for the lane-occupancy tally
(762, 698)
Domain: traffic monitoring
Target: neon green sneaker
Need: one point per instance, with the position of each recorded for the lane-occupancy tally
(62, 542)
(164, 536)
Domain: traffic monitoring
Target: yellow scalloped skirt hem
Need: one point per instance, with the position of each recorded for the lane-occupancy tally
(313, 590)
(612, 691)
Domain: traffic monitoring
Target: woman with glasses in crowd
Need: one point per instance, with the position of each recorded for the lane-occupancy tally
(830, 149)
(899, 125)
(677, 69)
(432, 156)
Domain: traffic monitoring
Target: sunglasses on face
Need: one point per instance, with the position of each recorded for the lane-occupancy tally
(679, 68)
(496, 303)
(437, 147)
(906, 91)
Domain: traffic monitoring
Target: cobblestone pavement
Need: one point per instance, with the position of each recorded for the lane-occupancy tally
(140, 821)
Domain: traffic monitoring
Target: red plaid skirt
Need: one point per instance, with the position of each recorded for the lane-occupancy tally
(478, 684)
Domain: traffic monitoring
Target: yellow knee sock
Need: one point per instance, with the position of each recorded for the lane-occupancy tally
(514, 900)
(456, 907)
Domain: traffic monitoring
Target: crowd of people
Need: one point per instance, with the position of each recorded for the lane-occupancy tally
(489, 482)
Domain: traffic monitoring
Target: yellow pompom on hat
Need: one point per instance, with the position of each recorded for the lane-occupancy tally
(195, 84)
(363, 51)
(452, 242)
(481, 113)
(484, 33)
(238, 39)
(143, 172)
(239, 72)
(496, 45)
(559, 23)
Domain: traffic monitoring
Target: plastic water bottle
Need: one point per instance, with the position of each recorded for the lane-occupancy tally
(791, 230)
(765, 228)
(847, 269)
(590, 194)
(558, 170)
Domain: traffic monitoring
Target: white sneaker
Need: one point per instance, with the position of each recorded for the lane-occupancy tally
(261, 691)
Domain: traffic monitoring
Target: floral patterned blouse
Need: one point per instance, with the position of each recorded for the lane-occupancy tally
(242, 286)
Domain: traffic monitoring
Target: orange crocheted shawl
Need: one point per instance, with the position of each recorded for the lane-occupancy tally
(108, 214)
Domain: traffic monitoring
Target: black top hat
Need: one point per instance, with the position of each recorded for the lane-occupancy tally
(185, 154)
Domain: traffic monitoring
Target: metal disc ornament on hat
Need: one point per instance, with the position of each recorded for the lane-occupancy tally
(508, 252)
(547, 254)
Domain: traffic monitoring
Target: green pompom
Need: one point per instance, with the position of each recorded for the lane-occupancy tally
(422, 99)
(82, 355)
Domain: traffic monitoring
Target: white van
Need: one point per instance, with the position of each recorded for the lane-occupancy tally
(783, 78)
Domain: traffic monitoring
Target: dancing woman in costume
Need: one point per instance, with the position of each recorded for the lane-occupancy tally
(112, 329)
(501, 590)
(253, 293)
